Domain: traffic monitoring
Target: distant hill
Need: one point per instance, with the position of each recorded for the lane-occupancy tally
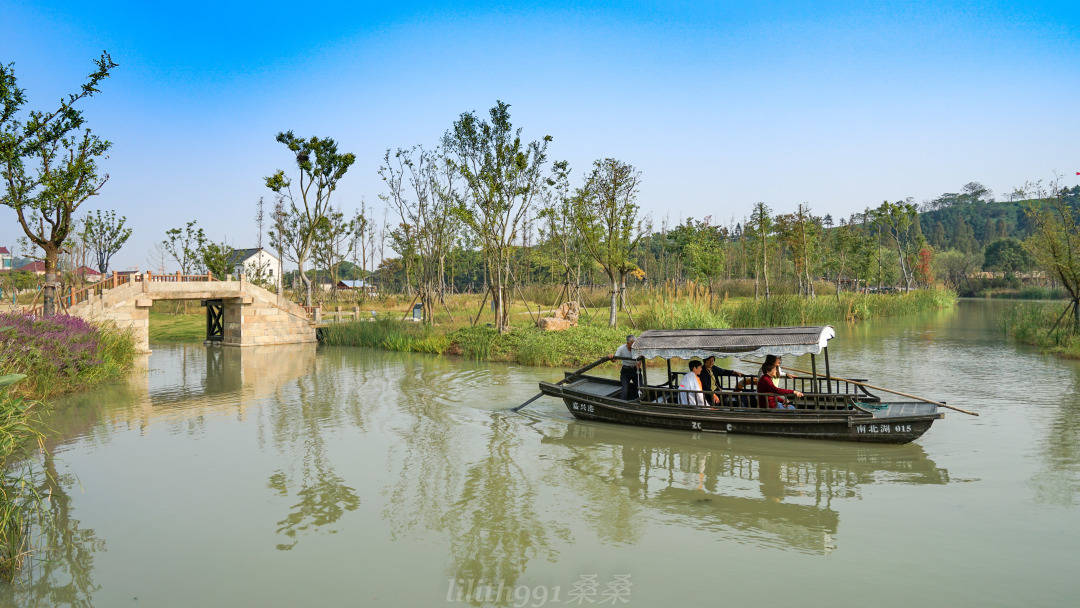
(970, 221)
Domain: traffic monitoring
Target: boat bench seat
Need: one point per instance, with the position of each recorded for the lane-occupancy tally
(600, 389)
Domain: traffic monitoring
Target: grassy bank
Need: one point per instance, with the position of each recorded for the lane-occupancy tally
(591, 339)
(1033, 324)
(61, 354)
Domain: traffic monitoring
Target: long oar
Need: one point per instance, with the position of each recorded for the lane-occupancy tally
(570, 377)
(879, 388)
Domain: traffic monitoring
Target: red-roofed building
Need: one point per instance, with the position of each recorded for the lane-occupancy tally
(88, 274)
(34, 267)
(6, 259)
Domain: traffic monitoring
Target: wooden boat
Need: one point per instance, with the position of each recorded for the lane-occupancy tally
(831, 408)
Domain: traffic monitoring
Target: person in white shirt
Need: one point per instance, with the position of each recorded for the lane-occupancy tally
(691, 381)
(628, 376)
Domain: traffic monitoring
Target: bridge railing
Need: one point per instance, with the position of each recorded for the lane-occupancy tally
(76, 296)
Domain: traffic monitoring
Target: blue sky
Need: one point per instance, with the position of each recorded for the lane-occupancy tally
(837, 105)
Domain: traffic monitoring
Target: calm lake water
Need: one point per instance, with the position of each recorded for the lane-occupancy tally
(352, 477)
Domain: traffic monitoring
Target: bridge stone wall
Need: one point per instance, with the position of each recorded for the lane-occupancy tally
(252, 315)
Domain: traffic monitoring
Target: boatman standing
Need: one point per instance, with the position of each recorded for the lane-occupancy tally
(628, 376)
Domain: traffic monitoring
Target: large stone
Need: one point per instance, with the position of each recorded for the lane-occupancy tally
(553, 324)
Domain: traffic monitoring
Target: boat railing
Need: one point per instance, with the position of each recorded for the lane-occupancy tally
(749, 399)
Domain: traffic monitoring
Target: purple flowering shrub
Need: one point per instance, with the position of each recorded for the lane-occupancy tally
(60, 353)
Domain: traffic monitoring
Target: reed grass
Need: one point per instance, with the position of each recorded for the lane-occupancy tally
(1033, 323)
(19, 435)
(591, 338)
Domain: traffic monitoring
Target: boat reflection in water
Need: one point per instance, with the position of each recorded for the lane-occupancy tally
(764, 491)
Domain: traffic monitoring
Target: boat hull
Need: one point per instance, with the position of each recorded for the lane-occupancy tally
(851, 425)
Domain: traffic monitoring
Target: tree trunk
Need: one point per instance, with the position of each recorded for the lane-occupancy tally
(622, 290)
(613, 318)
(765, 272)
(306, 281)
(48, 294)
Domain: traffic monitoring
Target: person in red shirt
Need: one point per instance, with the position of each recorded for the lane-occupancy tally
(770, 370)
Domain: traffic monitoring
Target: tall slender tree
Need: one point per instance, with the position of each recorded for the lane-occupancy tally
(502, 178)
(105, 233)
(49, 166)
(607, 219)
(319, 168)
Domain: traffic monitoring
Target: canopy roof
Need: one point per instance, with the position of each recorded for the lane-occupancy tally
(748, 342)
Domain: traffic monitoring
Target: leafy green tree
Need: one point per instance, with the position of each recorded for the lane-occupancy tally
(185, 245)
(502, 176)
(1006, 255)
(214, 257)
(334, 243)
(895, 221)
(704, 254)
(49, 166)
(606, 219)
(319, 169)
(1055, 244)
(105, 234)
(954, 266)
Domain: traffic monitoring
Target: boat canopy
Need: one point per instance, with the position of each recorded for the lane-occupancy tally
(748, 342)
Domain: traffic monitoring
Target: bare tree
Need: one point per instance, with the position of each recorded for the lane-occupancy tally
(422, 190)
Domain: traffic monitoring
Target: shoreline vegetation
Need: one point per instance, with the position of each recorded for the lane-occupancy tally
(40, 358)
(1044, 326)
(591, 338)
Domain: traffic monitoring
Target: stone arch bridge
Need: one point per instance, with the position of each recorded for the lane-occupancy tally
(238, 313)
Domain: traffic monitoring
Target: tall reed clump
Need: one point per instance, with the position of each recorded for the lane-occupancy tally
(785, 310)
(18, 497)
(60, 354)
(683, 315)
(389, 334)
(528, 345)
(1034, 324)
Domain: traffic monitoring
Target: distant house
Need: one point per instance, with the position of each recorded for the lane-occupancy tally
(255, 262)
(37, 268)
(7, 261)
(357, 285)
(88, 274)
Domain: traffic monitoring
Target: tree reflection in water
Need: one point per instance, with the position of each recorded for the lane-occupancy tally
(1059, 481)
(59, 572)
(299, 417)
(713, 483)
(485, 506)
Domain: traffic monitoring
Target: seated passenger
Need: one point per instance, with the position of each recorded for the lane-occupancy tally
(710, 379)
(769, 371)
(691, 381)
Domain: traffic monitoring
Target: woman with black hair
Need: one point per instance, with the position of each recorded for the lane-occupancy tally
(770, 370)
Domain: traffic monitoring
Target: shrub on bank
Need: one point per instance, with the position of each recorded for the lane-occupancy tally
(61, 353)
